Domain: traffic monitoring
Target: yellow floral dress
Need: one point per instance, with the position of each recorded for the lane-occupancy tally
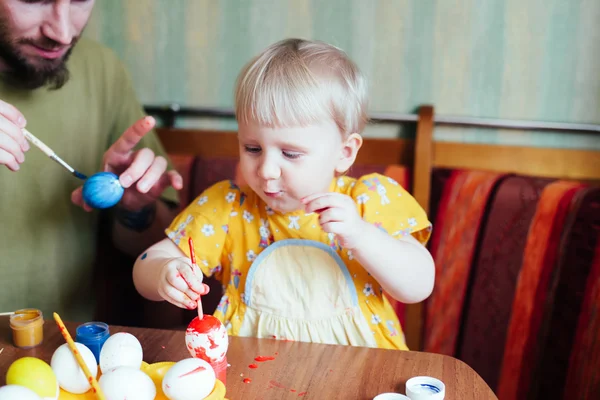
(284, 277)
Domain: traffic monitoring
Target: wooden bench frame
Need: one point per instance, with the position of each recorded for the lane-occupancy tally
(421, 155)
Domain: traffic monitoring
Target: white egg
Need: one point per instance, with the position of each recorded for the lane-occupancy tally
(16, 392)
(127, 383)
(189, 379)
(69, 374)
(121, 350)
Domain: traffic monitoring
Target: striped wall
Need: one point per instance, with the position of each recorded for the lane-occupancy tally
(518, 59)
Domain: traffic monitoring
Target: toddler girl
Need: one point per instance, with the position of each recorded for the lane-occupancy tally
(303, 251)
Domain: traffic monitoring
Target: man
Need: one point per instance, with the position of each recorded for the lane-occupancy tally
(75, 96)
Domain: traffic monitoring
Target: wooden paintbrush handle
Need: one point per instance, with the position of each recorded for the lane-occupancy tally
(91, 379)
(38, 143)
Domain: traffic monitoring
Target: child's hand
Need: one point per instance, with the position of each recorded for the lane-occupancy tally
(181, 284)
(337, 215)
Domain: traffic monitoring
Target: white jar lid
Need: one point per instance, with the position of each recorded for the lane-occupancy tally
(425, 388)
(390, 396)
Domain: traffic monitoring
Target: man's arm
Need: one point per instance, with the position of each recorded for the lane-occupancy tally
(150, 204)
(135, 231)
(135, 154)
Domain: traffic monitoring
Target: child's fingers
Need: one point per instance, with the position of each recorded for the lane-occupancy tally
(317, 204)
(331, 215)
(176, 297)
(329, 200)
(175, 279)
(312, 197)
(192, 277)
(334, 227)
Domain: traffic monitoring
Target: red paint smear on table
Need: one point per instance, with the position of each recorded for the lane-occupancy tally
(247, 380)
(276, 384)
(264, 358)
(194, 371)
(283, 339)
(253, 366)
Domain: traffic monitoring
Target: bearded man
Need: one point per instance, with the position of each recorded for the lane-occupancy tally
(75, 96)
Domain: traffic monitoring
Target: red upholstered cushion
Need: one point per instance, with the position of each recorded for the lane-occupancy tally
(359, 170)
(207, 172)
(534, 292)
(494, 275)
(439, 180)
(583, 379)
(577, 250)
(453, 245)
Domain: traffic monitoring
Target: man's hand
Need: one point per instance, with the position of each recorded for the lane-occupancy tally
(143, 174)
(337, 215)
(13, 144)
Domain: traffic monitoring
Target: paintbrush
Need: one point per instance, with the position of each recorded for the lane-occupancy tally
(194, 265)
(50, 153)
(91, 379)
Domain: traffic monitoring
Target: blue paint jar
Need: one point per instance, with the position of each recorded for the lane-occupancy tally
(93, 335)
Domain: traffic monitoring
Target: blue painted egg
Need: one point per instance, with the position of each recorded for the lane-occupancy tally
(102, 190)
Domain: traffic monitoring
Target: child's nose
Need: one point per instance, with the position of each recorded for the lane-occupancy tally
(269, 170)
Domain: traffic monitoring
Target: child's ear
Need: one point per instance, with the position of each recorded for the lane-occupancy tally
(349, 151)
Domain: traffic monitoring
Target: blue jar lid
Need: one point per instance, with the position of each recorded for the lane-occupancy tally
(92, 330)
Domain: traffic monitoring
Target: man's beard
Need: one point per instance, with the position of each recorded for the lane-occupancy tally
(22, 73)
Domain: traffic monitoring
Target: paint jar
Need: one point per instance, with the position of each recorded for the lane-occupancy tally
(27, 327)
(92, 335)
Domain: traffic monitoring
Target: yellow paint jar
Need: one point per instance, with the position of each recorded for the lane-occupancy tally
(27, 327)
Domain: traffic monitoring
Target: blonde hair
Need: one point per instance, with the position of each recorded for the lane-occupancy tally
(297, 82)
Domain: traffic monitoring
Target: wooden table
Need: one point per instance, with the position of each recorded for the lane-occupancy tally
(299, 370)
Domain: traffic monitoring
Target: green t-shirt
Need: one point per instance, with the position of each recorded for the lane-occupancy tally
(47, 244)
